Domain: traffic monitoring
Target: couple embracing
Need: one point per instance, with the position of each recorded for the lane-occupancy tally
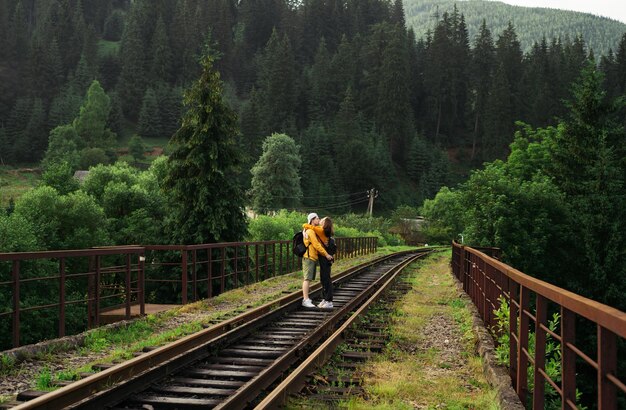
(317, 234)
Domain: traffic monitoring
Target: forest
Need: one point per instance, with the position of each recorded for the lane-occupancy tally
(400, 113)
(602, 34)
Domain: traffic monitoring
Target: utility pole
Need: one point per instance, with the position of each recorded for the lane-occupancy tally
(371, 194)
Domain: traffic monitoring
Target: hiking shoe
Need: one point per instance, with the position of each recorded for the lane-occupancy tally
(307, 303)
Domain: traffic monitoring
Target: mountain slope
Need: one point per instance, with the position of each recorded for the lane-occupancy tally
(531, 23)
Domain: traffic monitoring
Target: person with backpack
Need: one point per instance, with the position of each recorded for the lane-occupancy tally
(310, 258)
(324, 232)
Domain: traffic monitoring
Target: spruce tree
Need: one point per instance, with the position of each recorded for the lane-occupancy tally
(277, 85)
(498, 118)
(91, 123)
(206, 203)
(149, 125)
(322, 95)
(161, 54)
(31, 146)
(482, 74)
(587, 163)
(132, 81)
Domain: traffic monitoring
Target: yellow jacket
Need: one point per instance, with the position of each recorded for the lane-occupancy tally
(311, 241)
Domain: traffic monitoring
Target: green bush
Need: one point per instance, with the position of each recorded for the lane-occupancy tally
(553, 354)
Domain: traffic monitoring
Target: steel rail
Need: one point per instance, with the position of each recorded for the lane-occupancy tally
(172, 355)
(246, 394)
(296, 379)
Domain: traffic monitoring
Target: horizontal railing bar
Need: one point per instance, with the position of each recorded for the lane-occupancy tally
(616, 382)
(12, 256)
(549, 380)
(605, 316)
(582, 355)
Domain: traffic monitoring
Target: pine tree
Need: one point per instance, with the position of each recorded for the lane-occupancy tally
(418, 160)
(149, 125)
(206, 203)
(161, 54)
(116, 116)
(322, 96)
(6, 150)
(392, 112)
(509, 58)
(482, 74)
(498, 118)
(170, 107)
(64, 108)
(18, 39)
(33, 143)
(132, 81)
(620, 62)
(91, 123)
(277, 85)
(16, 125)
(587, 163)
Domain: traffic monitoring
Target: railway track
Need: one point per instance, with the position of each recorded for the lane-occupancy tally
(230, 365)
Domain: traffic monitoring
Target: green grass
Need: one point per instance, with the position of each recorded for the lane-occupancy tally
(15, 182)
(434, 383)
(108, 47)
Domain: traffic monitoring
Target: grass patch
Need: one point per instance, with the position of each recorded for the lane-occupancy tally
(438, 378)
(106, 47)
(15, 182)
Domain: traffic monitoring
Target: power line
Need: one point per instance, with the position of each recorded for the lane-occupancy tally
(338, 205)
(319, 196)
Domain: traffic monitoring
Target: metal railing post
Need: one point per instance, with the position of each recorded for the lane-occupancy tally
(61, 297)
(607, 364)
(127, 286)
(16, 303)
(184, 275)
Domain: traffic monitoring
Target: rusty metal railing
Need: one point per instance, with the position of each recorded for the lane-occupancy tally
(191, 272)
(65, 289)
(53, 293)
(486, 279)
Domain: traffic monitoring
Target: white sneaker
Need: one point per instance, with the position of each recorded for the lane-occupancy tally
(325, 305)
(307, 303)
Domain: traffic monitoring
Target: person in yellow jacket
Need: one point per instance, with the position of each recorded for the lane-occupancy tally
(310, 258)
(324, 232)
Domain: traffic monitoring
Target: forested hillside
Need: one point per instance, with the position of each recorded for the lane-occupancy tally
(369, 103)
(532, 23)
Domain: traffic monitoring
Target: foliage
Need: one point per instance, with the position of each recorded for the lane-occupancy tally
(552, 365)
(136, 147)
(63, 146)
(60, 176)
(280, 226)
(275, 180)
(444, 216)
(91, 123)
(206, 203)
(90, 157)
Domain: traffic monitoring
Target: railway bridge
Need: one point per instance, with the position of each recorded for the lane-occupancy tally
(53, 294)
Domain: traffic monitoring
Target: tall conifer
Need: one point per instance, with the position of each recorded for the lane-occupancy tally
(206, 203)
